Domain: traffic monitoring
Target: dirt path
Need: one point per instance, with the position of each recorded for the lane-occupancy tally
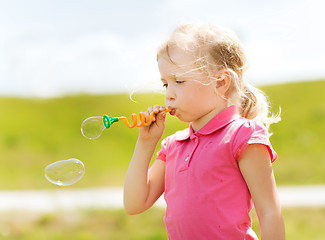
(65, 199)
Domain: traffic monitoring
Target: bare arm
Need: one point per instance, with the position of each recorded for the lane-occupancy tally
(256, 168)
(143, 187)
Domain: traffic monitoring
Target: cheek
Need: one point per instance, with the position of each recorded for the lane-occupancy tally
(189, 94)
(191, 97)
(205, 92)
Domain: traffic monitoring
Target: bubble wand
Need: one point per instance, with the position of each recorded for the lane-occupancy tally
(93, 127)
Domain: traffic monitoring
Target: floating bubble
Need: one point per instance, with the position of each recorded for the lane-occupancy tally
(65, 172)
(92, 127)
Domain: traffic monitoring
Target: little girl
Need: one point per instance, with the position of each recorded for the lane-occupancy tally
(212, 172)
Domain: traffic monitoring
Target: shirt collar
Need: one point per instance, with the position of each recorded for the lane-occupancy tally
(221, 120)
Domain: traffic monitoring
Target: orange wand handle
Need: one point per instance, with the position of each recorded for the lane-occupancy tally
(142, 119)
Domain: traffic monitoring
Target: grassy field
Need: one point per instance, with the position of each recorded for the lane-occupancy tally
(301, 224)
(37, 132)
(299, 137)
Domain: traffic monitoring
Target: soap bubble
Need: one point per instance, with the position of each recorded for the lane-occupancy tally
(92, 127)
(65, 172)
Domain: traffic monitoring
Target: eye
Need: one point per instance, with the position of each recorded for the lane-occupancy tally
(165, 85)
(179, 81)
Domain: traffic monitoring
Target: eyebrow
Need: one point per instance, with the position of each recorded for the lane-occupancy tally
(169, 77)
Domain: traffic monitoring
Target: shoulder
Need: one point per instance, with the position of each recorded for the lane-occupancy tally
(247, 128)
(242, 129)
(250, 132)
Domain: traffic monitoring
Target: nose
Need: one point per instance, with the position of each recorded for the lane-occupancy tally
(170, 93)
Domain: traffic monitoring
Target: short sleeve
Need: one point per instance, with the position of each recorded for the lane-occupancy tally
(252, 133)
(161, 155)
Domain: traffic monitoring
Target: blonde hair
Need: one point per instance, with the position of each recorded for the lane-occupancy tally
(213, 49)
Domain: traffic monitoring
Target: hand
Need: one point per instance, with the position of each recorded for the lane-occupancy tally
(157, 127)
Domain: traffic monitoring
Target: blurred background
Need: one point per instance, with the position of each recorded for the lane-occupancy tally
(64, 61)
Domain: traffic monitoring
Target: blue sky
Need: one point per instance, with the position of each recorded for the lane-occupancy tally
(55, 47)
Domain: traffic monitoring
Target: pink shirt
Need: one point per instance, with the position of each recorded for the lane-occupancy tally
(206, 195)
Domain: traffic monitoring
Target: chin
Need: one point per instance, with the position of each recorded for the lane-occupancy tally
(182, 119)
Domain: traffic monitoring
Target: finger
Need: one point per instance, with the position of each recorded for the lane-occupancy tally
(147, 113)
(160, 119)
(152, 111)
(156, 108)
(162, 109)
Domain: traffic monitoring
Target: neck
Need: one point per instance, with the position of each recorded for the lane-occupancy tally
(201, 122)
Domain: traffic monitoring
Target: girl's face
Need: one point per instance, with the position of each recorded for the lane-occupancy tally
(189, 92)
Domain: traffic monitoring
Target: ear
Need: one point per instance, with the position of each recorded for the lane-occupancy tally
(223, 82)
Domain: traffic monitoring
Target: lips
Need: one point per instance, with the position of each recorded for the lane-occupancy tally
(173, 111)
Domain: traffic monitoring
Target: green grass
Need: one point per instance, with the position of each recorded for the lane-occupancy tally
(301, 224)
(84, 225)
(37, 132)
(299, 137)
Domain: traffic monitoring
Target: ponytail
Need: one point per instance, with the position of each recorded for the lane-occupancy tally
(253, 104)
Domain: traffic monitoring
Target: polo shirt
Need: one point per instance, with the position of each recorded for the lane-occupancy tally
(205, 192)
